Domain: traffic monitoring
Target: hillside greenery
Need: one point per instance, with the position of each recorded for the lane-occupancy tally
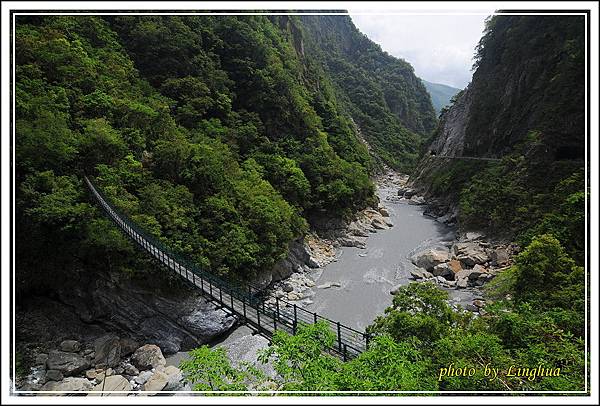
(535, 310)
(382, 94)
(216, 134)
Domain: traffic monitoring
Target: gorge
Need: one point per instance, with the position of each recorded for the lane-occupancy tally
(291, 152)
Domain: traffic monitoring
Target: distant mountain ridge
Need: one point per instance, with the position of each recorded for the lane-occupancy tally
(440, 94)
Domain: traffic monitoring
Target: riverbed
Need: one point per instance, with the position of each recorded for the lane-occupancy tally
(366, 276)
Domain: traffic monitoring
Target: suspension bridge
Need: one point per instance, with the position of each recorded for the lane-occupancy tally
(242, 300)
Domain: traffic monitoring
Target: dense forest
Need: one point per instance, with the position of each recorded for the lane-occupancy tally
(529, 74)
(381, 93)
(220, 135)
(217, 134)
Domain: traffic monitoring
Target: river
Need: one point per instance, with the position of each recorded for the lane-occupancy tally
(367, 275)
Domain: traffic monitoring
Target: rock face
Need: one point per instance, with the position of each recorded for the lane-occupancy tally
(147, 357)
(67, 363)
(298, 256)
(430, 257)
(144, 311)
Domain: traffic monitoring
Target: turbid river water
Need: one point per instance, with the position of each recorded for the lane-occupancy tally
(367, 275)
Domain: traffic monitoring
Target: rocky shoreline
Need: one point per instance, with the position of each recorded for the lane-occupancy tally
(110, 363)
(469, 261)
(466, 263)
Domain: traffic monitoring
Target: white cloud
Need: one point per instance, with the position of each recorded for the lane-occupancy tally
(439, 47)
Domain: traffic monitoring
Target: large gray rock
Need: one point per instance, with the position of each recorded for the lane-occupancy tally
(430, 257)
(157, 382)
(114, 383)
(352, 241)
(357, 229)
(108, 350)
(417, 200)
(470, 254)
(175, 380)
(147, 357)
(70, 346)
(68, 363)
(420, 273)
(128, 346)
(500, 257)
(54, 375)
(68, 384)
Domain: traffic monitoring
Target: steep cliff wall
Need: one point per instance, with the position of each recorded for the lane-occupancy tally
(525, 105)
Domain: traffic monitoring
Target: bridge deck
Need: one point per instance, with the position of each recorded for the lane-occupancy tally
(244, 302)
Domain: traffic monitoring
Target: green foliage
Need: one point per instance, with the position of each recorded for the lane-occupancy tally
(218, 149)
(381, 93)
(299, 359)
(418, 310)
(210, 370)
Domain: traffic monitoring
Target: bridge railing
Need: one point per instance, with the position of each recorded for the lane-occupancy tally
(280, 315)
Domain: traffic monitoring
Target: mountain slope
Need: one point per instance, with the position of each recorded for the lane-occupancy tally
(380, 92)
(440, 94)
(525, 105)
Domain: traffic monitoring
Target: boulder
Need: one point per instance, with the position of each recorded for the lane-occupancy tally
(476, 272)
(430, 257)
(313, 263)
(473, 236)
(407, 193)
(68, 384)
(143, 377)
(443, 270)
(114, 383)
(54, 375)
(455, 266)
(479, 302)
(357, 229)
(470, 254)
(108, 350)
(175, 379)
(462, 283)
(147, 357)
(384, 212)
(420, 273)
(157, 382)
(128, 346)
(351, 241)
(68, 363)
(471, 308)
(287, 287)
(379, 223)
(70, 346)
(417, 200)
(499, 257)
(91, 374)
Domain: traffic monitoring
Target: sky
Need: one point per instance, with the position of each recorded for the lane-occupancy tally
(439, 47)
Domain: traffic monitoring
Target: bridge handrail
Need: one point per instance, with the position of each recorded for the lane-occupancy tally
(246, 294)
